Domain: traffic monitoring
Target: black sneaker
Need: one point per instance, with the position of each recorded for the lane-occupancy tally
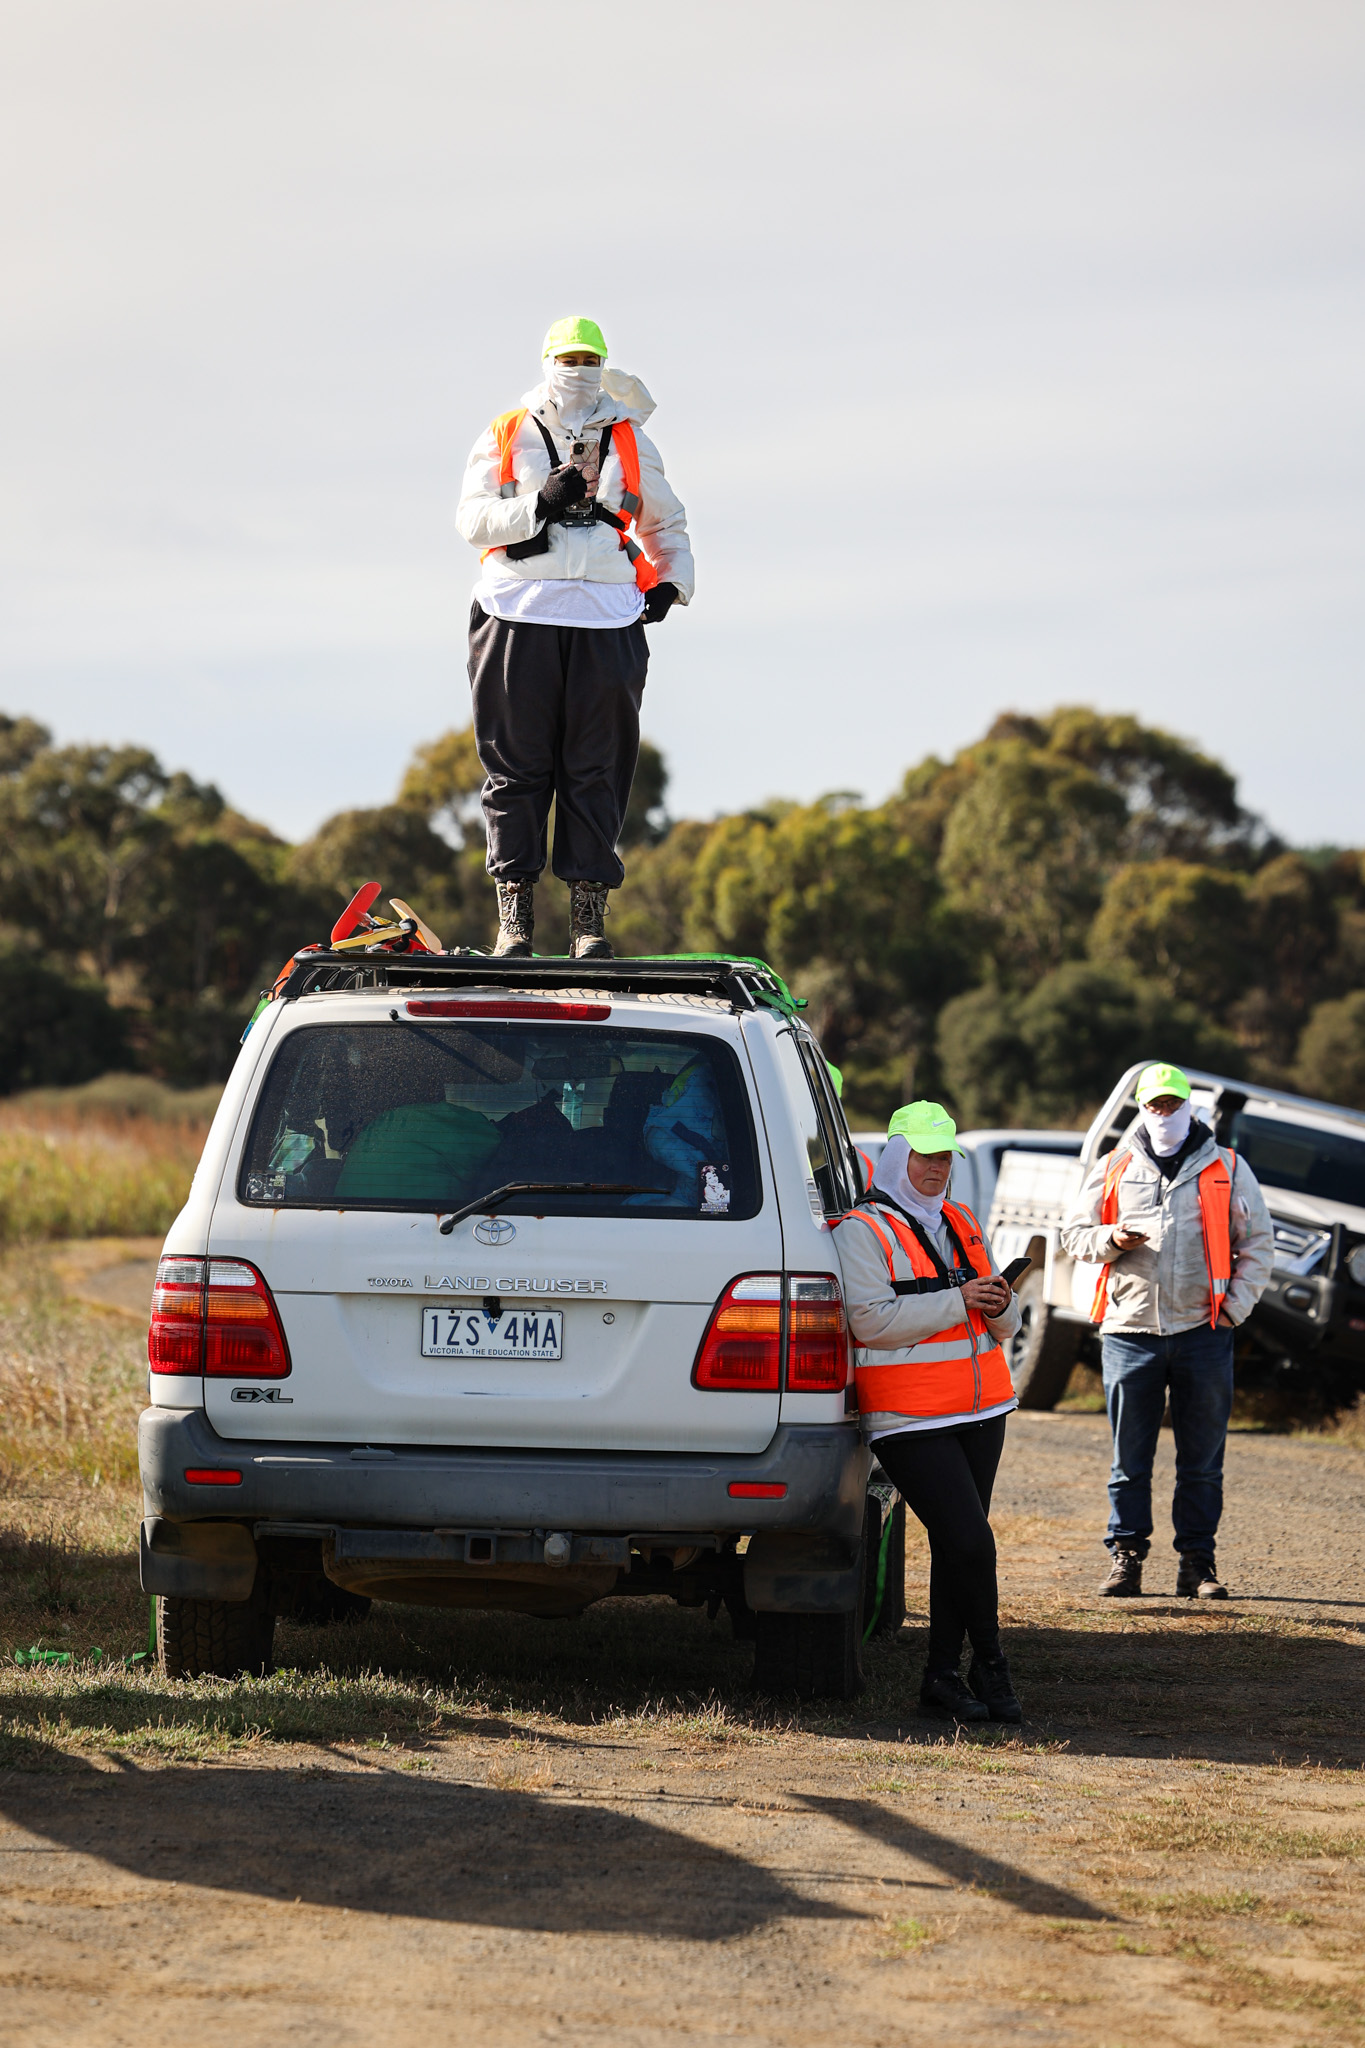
(989, 1678)
(1197, 1579)
(943, 1697)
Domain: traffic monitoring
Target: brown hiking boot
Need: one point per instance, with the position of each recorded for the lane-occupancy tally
(1125, 1577)
(516, 920)
(587, 913)
(1197, 1579)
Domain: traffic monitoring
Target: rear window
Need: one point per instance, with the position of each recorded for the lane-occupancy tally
(417, 1116)
(1295, 1156)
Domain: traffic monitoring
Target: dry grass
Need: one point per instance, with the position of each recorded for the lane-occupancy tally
(116, 1156)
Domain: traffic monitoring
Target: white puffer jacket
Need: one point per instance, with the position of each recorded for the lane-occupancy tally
(594, 553)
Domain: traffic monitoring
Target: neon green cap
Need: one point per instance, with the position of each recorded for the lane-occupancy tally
(837, 1078)
(1161, 1080)
(567, 337)
(925, 1127)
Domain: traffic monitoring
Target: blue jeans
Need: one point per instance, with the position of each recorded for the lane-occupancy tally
(1196, 1366)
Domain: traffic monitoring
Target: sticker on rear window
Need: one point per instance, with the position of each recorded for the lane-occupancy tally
(715, 1194)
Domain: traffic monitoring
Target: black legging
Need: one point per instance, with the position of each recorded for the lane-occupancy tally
(946, 1476)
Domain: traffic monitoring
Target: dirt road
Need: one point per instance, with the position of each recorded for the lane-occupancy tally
(1171, 1853)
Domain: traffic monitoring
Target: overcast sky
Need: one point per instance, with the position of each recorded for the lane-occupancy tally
(1005, 355)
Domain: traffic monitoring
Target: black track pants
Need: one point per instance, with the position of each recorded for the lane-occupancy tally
(946, 1476)
(556, 716)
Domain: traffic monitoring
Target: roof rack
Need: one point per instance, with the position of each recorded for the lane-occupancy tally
(746, 984)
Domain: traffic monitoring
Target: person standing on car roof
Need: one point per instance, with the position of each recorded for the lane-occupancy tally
(1181, 1232)
(929, 1314)
(583, 545)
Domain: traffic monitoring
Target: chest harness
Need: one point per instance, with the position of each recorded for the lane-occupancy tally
(616, 434)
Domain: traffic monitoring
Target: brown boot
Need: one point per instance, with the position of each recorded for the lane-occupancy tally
(587, 911)
(1197, 1579)
(516, 920)
(1125, 1576)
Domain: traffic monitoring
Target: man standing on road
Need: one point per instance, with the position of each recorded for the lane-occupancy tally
(584, 544)
(1181, 1230)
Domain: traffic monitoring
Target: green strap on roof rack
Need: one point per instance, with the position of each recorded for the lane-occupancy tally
(777, 996)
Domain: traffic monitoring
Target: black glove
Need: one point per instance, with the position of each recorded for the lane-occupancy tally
(562, 487)
(657, 602)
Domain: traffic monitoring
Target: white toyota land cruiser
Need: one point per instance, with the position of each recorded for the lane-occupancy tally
(511, 1284)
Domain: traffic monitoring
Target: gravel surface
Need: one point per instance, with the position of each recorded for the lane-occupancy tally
(1169, 1852)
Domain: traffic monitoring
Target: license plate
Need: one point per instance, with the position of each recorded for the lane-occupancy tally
(470, 1333)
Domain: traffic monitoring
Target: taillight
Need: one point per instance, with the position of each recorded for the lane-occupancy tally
(243, 1338)
(742, 1349)
(817, 1335)
(215, 1316)
(175, 1338)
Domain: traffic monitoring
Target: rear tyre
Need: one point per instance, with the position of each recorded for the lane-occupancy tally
(214, 1638)
(1044, 1350)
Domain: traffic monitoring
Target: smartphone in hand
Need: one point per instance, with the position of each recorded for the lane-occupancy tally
(1016, 1269)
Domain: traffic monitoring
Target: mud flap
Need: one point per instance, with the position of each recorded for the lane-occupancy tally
(197, 1560)
(800, 1572)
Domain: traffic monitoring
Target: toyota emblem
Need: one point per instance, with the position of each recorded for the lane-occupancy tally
(495, 1230)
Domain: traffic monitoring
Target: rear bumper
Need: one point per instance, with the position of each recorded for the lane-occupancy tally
(656, 1494)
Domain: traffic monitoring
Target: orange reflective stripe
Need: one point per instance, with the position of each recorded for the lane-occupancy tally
(504, 430)
(1109, 1214)
(628, 455)
(1215, 1213)
(861, 1216)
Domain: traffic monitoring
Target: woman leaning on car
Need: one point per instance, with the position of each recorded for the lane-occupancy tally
(929, 1315)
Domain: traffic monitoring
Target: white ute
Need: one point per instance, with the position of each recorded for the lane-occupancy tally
(511, 1284)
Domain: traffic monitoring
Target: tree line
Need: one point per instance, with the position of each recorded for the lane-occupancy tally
(1068, 893)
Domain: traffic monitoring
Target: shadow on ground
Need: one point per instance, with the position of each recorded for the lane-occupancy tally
(382, 1843)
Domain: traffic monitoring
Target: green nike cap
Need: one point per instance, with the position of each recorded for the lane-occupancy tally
(925, 1127)
(574, 336)
(1161, 1079)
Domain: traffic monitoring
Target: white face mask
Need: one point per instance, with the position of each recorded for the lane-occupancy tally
(1167, 1133)
(575, 388)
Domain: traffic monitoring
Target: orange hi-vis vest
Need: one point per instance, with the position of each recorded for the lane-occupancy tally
(1215, 1215)
(505, 429)
(959, 1369)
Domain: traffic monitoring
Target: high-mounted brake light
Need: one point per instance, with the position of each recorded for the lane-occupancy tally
(742, 1349)
(817, 1335)
(472, 1006)
(215, 1316)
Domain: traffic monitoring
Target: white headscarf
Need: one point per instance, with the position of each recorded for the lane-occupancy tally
(892, 1179)
(1167, 1133)
(575, 389)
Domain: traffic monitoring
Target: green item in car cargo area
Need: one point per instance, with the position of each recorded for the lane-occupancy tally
(421, 1150)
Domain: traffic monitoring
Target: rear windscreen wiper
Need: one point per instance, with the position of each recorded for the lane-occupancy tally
(486, 1204)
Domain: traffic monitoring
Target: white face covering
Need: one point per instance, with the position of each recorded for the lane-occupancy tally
(892, 1179)
(1167, 1133)
(575, 388)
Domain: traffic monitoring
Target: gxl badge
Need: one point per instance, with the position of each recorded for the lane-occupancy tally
(495, 1230)
(263, 1394)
